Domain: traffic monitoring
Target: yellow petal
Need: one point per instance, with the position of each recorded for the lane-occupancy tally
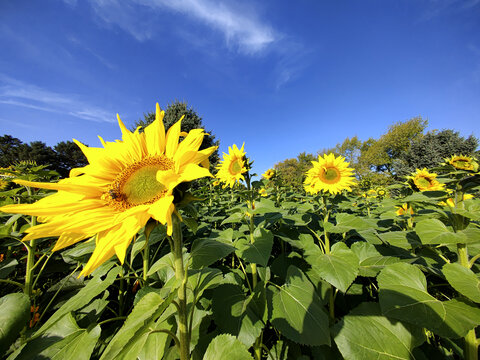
(155, 134)
(173, 135)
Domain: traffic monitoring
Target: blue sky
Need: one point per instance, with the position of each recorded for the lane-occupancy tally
(284, 77)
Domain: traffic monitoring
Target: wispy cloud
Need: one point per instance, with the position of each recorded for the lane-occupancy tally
(436, 8)
(17, 93)
(239, 24)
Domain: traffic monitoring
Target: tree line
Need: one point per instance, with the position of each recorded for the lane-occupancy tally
(398, 152)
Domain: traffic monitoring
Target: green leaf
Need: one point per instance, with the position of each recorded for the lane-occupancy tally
(433, 231)
(239, 314)
(365, 334)
(402, 239)
(201, 280)
(94, 287)
(62, 341)
(298, 312)
(226, 347)
(463, 280)
(14, 315)
(403, 296)
(371, 261)
(234, 218)
(339, 268)
(258, 252)
(206, 251)
(129, 340)
(7, 267)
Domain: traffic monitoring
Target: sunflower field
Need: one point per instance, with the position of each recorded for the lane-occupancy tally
(148, 252)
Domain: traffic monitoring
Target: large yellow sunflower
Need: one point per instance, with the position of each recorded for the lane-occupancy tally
(232, 167)
(125, 184)
(329, 174)
(462, 162)
(425, 181)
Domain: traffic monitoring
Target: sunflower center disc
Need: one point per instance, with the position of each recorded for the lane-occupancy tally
(423, 183)
(331, 175)
(235, 168)
(137, 184)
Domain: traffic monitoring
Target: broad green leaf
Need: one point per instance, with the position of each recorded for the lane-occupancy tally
(365, 334)
(433, 231)
(339, 268)
(239, 314)
(403, 296)
(463, 280)
(371, 261)
(206, 251)
(225, 347)
(201, 280)
(94, 287)
(402, 239)
(234, 218)
(62, 341)
(358, 223)
(14, 315)
(298, 312)
(7, 267)
(137, 324)
(259, 251)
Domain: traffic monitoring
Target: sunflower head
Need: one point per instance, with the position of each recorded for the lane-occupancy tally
(423, 180)
(462, 162)
(233, 166)
(263, 192)
(404, 210)
(270, 173)
(124, 185)
(381, 192)
(329, 174)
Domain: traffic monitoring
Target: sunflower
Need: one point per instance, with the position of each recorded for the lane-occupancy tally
(126, 183)
(268, 174)
(404, 210)
(329, 174)
(462, 162)
(381, 192)
(232, 167)
(263, 192)
(425, 181)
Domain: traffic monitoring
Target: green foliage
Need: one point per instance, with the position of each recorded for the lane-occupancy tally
(431, 149)
(291, 172)
(14, 315)
(63, 157)
(383, 153)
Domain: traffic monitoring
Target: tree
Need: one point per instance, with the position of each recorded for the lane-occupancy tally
(432, 149)
(291, 172)
(65, 156)
(382, 154)
(68, 156)
(192, 120)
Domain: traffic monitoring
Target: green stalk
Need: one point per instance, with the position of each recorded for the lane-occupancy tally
(471, 344)
(181, 276)
(146, 259)
(31, 250)
(331, 301)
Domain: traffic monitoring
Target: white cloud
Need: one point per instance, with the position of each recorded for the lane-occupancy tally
(17, 93)
(239, 24)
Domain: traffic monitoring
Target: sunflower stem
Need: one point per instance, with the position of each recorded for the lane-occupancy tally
(471, 344)
(31, 250)
(181, 276)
